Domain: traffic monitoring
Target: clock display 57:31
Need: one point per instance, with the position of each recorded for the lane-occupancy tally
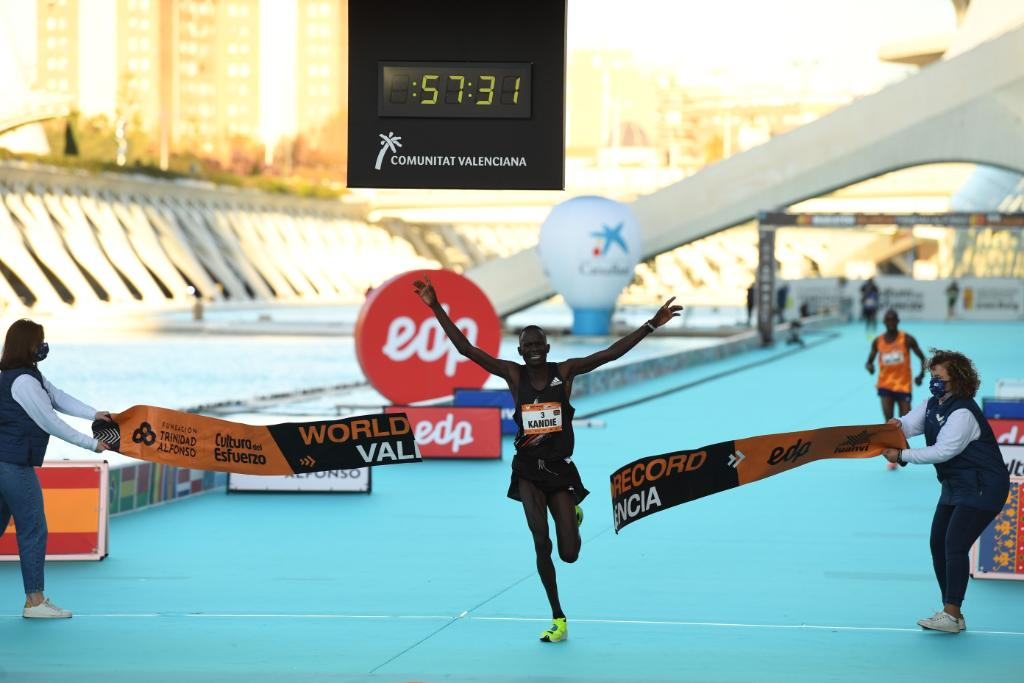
(454, 90)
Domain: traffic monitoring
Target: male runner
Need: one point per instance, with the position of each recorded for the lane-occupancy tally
(543, 474)
(893, 350)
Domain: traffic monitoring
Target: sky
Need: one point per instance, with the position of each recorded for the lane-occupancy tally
(760, 41)
(831, 45)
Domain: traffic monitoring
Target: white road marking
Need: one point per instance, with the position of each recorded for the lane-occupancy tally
(463, 615)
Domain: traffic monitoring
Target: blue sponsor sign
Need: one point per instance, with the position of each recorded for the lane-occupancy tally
(502, 398)
(1003, 408)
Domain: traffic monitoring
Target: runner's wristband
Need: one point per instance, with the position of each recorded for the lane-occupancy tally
(650, 326)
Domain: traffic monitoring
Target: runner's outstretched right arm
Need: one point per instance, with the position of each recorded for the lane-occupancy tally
(495, 366)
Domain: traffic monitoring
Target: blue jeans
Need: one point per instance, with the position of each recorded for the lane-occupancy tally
(21, 497)
(955, 528)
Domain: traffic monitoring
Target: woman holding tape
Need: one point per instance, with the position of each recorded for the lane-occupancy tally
(974, 479)
(543, 474)
(27, 420)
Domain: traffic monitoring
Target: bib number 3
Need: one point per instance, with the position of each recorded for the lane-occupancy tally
(542, 418)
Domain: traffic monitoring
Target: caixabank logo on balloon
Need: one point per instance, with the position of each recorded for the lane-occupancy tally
(402, 349)
(609, 243)
(590, 246)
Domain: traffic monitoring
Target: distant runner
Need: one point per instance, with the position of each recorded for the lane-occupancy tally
(893, 350)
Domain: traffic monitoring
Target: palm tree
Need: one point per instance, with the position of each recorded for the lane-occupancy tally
(389, 141)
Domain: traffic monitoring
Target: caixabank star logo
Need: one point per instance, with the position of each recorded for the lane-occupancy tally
(607, 237)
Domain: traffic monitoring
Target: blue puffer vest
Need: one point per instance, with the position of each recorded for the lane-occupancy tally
(22, 442)
(976, 477)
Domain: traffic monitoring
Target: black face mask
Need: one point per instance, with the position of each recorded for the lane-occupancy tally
(42, 352)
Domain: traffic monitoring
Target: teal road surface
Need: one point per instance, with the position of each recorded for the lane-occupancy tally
(816, 575)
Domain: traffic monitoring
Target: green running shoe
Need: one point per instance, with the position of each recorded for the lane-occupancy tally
(558, 632)
(579, 516)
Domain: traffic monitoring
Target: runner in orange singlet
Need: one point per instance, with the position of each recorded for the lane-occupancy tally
(893, 349)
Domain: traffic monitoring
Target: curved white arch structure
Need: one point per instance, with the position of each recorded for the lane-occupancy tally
(35, 113)
(72, 240)
(969, 108)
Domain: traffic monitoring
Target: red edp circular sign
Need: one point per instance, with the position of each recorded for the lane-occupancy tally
(401, 347)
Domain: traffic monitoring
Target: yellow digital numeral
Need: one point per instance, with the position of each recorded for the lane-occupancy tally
(515, 97)
(489, 90)
(427, 88)
(462, 83)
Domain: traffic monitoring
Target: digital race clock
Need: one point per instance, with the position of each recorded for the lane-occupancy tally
(454, 90)
(456, 94)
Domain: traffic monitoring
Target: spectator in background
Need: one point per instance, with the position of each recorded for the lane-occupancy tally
(869, 298)
(781, 296)
(751, 296)
(845, 301)
(952, 294)
(794, 334)
(197, 303)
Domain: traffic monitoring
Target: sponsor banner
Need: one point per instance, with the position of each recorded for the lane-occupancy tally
(207, 443)
(332, 481)
(912, 299)
(454, 432)
(999, 551)
(76, 507)
(402, 349)
(977, 298)
(658, 482)
(500, 398)
(995, 299)
(1003, 409)
(1013, 457)
(1010, 388)
(1008, 431)
(822, 295)
(138, 485)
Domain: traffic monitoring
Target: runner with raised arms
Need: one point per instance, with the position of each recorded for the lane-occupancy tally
(543, 474)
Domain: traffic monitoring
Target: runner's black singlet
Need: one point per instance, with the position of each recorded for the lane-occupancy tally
(546, 431)
(544, 440)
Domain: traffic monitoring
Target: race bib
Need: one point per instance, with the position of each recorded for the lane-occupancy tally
(892, 358)
(541, 418)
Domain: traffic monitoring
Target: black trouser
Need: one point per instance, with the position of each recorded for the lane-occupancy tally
(955, 528)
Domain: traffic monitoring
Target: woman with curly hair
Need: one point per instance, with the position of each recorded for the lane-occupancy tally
(975, 482)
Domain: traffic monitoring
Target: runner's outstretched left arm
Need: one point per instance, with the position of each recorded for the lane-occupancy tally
(579, 366)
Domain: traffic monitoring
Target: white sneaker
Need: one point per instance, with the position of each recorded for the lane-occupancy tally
(941, 621)
(45, 610)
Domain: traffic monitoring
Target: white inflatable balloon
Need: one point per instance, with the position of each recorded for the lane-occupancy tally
(589, 247)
